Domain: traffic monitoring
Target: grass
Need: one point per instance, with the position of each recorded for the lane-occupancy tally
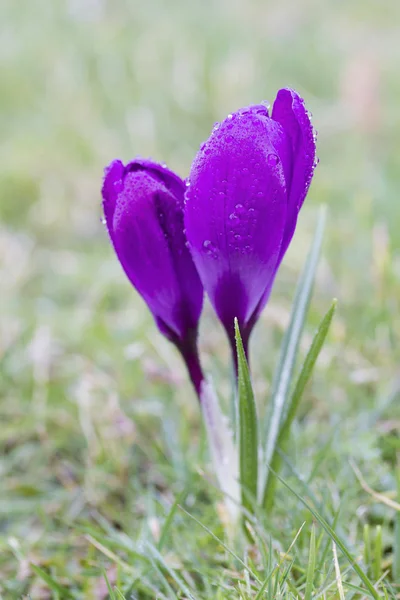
(103, 461)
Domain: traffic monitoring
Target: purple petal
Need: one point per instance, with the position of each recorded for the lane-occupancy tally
(235, 211)
(143, 207)
(290, 112)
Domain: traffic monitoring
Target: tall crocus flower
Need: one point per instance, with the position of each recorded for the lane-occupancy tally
(143, 209)
(247, 185)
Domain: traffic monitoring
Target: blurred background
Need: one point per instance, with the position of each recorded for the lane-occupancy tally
(84, 375)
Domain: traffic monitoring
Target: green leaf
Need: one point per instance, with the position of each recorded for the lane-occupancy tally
(304, 377)
(290, 345)
(248, 433)
(52, 584)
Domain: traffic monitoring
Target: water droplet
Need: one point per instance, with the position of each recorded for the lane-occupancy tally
(245, 170)
(230, 117)
(202, 145)
(239, 206)
(164, 165)
(103, 220)
(238, 236)
(259, 194)
(272, 160)
(187, 183)
(187, 244)
(216, 126)
(233, 217)
(210, 249)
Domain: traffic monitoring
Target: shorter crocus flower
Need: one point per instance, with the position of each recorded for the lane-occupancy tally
(143, 209)
(247, 185)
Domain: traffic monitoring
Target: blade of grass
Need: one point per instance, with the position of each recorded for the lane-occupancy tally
(217, 539)
(171, 572)
(297, 395)
(248, 434)
(52, 584)
(377, 562)
(168, 521)
(337, 572)
(310, 567)
(109, 588)
(335, 538)
(290, 345)
(396, 540)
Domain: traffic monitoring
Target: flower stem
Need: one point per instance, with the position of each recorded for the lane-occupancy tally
(190, 355)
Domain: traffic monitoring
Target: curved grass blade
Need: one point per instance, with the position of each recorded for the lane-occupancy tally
(248, 432)
(290, 345)
(302, 381)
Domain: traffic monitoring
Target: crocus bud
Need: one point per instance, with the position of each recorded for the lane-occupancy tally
(247, 185)
(143, 209)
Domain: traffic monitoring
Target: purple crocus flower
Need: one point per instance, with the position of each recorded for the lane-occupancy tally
(247, 185)
(143, 209)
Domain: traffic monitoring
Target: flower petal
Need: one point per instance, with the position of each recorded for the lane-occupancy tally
(144, 215)
(235, 211)
(290, 112)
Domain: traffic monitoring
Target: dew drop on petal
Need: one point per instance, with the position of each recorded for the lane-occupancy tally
(187, 183)
(210, 249)
(103, 220)
(272, 160)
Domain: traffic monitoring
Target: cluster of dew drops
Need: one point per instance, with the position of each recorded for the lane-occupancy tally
(237, 241)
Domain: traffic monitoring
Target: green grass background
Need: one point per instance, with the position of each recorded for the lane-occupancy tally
(99, 428)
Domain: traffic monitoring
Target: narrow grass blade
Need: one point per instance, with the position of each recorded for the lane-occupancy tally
(339, 543)
(296, 397)
(310, 567)
(248, 433)
(260, 593)
(52, 584)
(338, 573)
(396, 540)
(171, 572)
(109, 588)
(170, 517)
(290, 344)
(224, 546)
(378, 553)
